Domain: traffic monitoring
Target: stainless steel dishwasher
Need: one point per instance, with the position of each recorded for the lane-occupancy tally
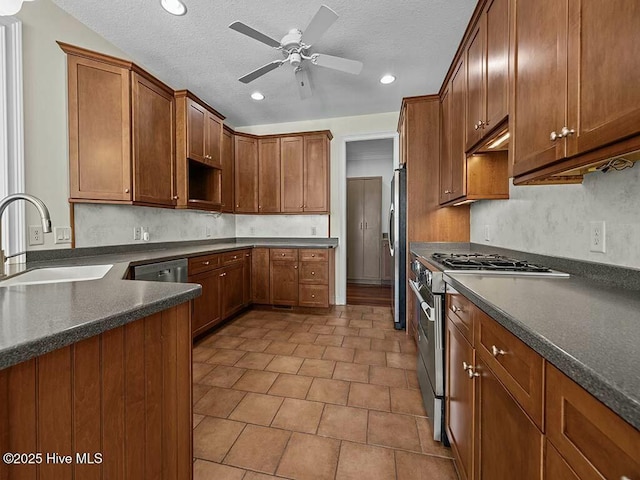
(175, 271)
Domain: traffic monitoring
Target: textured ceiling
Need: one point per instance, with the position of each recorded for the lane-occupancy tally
(413, 39)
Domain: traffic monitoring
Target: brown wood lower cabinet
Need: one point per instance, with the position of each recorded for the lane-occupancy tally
(260, 282)
(507, 440)
(206, 308)
(284, 283)
(232, 289)
(125, 393)
(248, 271)
(497, 419)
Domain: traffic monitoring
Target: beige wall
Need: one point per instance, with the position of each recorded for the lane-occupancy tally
(342, 128)
(45, 104)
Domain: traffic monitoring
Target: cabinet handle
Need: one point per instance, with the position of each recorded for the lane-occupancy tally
(457, 309)
(360, 225)
(313, 273)
(478, 125)
(284, 254)
(469, 369)
(126, 190)
(566, 131)
(237, 205)
(495, 351)
(313, 296)
(295, 266)
(447, 192)
(246, 254)
(175, 197)
(206, 263)
(313, 255)
(300, 206)
(259, 206)
(221, 275)
(235, 256)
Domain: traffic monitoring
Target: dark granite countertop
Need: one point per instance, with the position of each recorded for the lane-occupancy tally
(36, 319)
(587, 327)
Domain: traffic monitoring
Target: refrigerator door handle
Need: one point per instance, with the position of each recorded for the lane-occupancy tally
(392, 239)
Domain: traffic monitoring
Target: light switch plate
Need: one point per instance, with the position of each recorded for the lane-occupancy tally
(62, 235)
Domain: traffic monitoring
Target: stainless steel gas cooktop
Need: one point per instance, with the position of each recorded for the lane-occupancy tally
(490, 263)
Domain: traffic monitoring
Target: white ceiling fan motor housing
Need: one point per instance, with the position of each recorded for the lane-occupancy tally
(292, 39)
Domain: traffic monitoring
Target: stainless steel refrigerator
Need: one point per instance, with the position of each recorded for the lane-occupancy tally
(398, 245)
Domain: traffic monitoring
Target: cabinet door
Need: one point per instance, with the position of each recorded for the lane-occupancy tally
(269, 175)
(604, 101)
(457, 132)
(213, 143)
(284, 283)
(206, 308)
(496, 35)
(355, 228)
(196, 131)
(246, 174)
(153, 143)
(316, 174)
(555, 466)
(292, 174)
(475, 111)
(247, 279)
(260, 275)
(232, 289)
(539, 100)
(445, 145)
(372, 213)
(227, 172)
(460, 400)
(508, 441)
(99, 130)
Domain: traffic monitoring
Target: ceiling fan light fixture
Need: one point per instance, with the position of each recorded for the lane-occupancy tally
(387, 79)
(174, 7)
(257, 96)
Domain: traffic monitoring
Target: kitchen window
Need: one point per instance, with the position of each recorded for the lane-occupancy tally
(12, 134)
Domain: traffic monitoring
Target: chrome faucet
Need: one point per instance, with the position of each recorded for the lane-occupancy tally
(44, 216)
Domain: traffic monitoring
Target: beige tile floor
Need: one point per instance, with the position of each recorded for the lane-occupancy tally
(297, 396)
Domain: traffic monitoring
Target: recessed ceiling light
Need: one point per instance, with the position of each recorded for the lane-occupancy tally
(257, 96)
(387, 79)
(174, 7)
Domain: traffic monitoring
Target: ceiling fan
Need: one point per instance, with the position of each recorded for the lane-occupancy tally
(295, 47)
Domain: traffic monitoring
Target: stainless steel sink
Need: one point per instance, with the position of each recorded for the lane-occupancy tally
(58, 275)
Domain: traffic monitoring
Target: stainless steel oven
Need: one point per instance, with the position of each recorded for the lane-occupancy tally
(430, 363)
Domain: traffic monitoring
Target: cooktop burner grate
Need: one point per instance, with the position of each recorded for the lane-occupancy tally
(486, 262)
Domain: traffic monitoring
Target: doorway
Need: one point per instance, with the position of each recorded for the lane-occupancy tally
(369, 169)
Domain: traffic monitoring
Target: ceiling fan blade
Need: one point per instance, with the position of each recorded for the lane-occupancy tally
(320, 23)
(337, 63)
(304, 87)
(253, 33)
(250, 77)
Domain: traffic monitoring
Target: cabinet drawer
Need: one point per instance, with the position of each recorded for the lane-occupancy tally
(284, 254)
(203, 263)
(230, 258)
(313, 296)
(314, 273)
(308, 255)
(460, 312)
(517, 366)
(593, 440)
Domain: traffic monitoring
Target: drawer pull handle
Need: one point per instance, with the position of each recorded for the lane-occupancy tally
(313, 296)
(624, 477)
(313, 254)
(313, 273)
(206, 263)
(295, 266)
(235, 256)
(284, 254)
(495, 351)
(457, 309)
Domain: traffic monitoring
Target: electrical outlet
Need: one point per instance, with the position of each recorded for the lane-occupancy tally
(137, 233)
(314, 231)
(62, 234)
(35, 235)
(598, 237)
(487, 233)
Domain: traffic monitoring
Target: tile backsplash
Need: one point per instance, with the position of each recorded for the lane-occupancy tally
(99, 225)
(555, 219)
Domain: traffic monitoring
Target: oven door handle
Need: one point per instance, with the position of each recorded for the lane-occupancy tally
(428, 310)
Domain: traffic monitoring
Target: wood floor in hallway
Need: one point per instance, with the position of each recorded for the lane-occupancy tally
(297, 396)
(376, 295)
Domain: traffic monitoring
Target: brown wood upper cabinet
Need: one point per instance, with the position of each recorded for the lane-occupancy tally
(316, 173)
(487, 59)
(570, 108)
(227, 171)
(204, 134)
(121, 132)
(268, 175)
(246, 174)
(292, 174)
